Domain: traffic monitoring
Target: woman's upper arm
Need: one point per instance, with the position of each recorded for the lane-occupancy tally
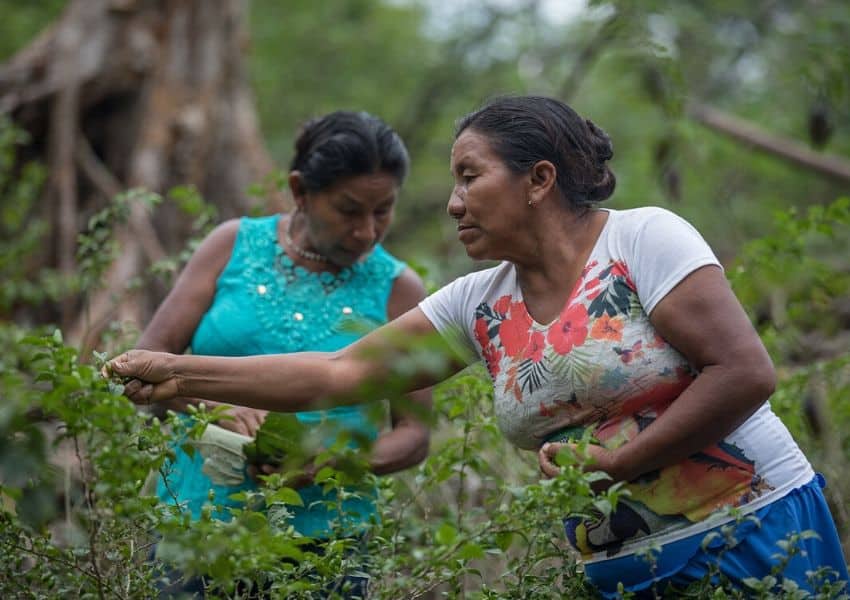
(175, 320)
(383, 351)
(702, 319)
(407, 291)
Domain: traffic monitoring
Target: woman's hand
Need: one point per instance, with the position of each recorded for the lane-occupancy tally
(597, 458)
(153, 378)
(242, 419)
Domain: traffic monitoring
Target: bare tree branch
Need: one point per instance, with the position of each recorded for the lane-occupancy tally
(832, 166)
(587, 57)
(64, 175)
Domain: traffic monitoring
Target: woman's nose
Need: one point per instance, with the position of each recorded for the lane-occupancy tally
(366, 230)
(456, 207)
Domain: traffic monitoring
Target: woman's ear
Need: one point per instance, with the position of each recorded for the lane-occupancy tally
(296, 186)
(544, 176)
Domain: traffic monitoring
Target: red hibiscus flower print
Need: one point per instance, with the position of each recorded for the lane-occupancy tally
(492, 357)
(619, 269)
(515, 331)
(536, 345)
(569, 330)
(481, 328)
(607, 328)
(502, 305)
(588, 267)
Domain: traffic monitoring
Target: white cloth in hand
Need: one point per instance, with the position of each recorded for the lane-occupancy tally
(224, 458)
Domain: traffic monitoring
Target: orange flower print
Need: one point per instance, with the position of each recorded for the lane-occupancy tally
(515, 331)
(535, 348)
(569, 330)
(607, 328)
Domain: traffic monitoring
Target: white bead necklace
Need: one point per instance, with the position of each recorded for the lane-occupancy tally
(302, 252)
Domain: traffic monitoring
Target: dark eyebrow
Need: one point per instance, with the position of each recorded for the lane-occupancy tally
(352, 200)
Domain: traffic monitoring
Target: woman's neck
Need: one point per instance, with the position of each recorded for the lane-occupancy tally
(562, 245)
(291, 236)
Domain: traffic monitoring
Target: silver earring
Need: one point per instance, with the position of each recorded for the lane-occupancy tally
(530, 203)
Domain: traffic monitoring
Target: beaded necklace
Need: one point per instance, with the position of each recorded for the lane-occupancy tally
(302, 252)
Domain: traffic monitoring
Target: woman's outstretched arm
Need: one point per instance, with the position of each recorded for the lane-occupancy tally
(288, 382)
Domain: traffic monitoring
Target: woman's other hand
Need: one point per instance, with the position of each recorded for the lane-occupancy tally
(153, 378)
(242, 419)
(596, 458)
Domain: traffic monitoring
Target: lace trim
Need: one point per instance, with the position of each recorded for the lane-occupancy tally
(298, 307)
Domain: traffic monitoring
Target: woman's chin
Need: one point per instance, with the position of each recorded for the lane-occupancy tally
(476, 252)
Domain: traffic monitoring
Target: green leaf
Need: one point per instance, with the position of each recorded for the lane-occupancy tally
(504, 540)
(286, 496)
(446, 534)
(470, 550)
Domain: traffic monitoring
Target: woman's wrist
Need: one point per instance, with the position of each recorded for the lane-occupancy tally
(620, 467)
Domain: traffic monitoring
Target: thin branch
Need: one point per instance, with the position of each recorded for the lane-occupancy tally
(832, 166)
(58, 559)
(87, 493)
(63, 120)
(587, 57)
(103, 179)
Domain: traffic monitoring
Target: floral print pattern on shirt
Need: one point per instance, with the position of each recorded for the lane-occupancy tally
(601, 364)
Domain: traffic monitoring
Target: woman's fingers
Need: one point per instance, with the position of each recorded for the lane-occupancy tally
(244, 420)
(153, 380)
(138, 391)
(141, 364)
(546, 459)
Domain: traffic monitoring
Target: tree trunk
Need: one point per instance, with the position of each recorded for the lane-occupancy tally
(135, 93)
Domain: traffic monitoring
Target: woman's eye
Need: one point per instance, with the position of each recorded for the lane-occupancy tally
(468, 177)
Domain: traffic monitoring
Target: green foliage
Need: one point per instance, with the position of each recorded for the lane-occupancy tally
(23, 20)
(21, 234)
(97, 248)
(474, 520)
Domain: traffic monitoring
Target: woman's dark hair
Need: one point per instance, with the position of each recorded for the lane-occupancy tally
(526, 129)
(346, 144)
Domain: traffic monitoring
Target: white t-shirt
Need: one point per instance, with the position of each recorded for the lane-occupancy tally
(601, 364)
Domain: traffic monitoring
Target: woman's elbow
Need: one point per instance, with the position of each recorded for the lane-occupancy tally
(420, 444)
(343, 374)
(422, 449)
(761, 379)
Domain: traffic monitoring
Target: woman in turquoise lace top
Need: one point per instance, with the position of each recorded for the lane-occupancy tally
(296, 282)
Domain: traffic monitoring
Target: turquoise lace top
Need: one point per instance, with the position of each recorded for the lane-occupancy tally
(265, 304)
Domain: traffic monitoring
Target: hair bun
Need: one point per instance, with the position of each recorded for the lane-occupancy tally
(603, 146)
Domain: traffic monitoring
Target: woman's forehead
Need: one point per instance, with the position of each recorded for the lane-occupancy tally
(471, 145)
(373, 187)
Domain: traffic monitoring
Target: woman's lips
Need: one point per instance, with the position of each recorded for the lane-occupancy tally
(466, 233)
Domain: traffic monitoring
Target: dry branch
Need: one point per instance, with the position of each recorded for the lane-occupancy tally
(834, 167)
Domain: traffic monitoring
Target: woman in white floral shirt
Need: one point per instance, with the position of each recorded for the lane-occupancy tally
(620, 322)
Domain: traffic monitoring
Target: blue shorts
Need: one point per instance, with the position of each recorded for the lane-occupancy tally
(754, 555)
